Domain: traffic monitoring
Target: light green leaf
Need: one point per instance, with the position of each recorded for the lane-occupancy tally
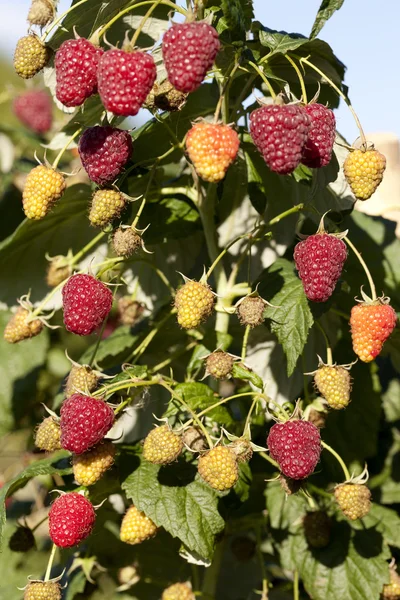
(240, 371)
(184, 506)
(292, 319)
(115, 348)
(325, 11)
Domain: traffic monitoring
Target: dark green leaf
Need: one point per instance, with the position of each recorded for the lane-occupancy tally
(47, 466)
(186, 507)
(292, 319)
(326, 10)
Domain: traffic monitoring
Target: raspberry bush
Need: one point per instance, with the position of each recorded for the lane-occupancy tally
(200, 349)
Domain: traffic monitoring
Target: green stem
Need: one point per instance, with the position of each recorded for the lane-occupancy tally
(267, 457)
(137, 5)
(225, 250)
(143, 22)
(301, 78)
(338, 458)
(364, 266)
(39, 523)
(296, 592)
(329, 359)
(60, 18)
(262, 566)
(59, 155)
(248, 418)
(287, 213)
(340, 313)
(143, 204)
(245, 340)
(191, 412)
(211, 574)
(86, 248)
(109, 390)
(318, 491)
(50, 563)
(338, 91)
(265, 80)
(242, 95)
(139, 350)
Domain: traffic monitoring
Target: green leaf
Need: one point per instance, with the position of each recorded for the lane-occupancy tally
(353, 566)
(386, 521)
(186, 507)
(237, 18)
(47, 466)
(256, 188)
(279, 42)
(199, 396)
(326, 10)
(115, 348)
(76, 585)
(22, 255)
(19, 371)
(171, 218)
(240, 371)
(292, 319)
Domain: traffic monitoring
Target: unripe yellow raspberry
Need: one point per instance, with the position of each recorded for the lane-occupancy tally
(48, 435)
(212, 148)
(19, 328)
(30, 56)
(364, 172)
(82, 379)
(195, 303)
(57, 272)
(219, 468)
(391, 591)
(334, 384)
(136, 527)
(43, 187)
(178, 591)
(162, 446)
(106, 206)
(90, 466)
(354, 500)
(42, 590)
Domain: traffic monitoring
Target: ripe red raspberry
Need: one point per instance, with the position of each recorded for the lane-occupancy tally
(86, 303)
(371, 324)
(76, 67)
(104, 152)
(296, 447)
(212, 148)
(125, 79)
(319, 260)
(34, 109)
(84, 422)
(71, 520)
(318, 149)
(189, 50)
(280, 134)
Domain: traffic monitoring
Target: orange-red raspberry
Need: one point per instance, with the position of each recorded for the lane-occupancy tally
(371, 325)
(212, 148)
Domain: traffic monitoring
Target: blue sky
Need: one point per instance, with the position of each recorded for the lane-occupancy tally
(363, 34)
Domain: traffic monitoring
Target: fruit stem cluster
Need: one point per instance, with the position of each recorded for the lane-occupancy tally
(263, 77)
(301, 78)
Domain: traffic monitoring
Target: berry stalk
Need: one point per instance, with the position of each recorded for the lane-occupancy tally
(364, 266)
(296, 593)
(301, 78)
(50, 563)
(265, 80)
(245, 340)
(248, 418)
(143, 22)
(338, 91)
(329, 360)
(338, 458)
(60, 154)
(127, 10)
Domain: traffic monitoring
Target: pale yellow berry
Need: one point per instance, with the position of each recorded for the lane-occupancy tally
(90, 466)
(136, 527)
(354, 500)
(21, 328)
(178, 591)
(43, 187)
(334, 385)
(48, 435)
(195, 303)
(219, 468)
(30, 56)
(106, 206)
(364, 172)
(81, 379)
(162, 446)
